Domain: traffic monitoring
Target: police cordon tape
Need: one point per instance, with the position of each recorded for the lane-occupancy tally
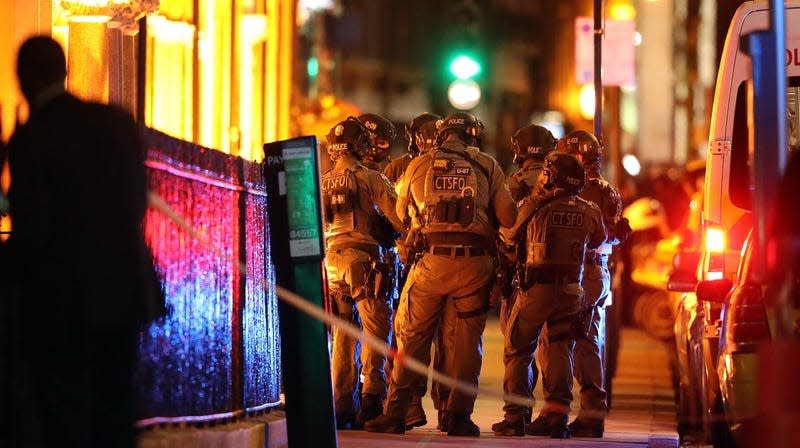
(158, 203)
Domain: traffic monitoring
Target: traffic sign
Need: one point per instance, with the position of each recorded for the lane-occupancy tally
(619, 52)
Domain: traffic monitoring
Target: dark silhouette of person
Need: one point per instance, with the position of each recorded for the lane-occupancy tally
(77, 256)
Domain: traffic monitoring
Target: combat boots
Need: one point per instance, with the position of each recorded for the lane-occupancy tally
(538, 427)
(462, 425)
(386, 424)
(551, 425)
(371, 407)
(587, 428)
(509, 428)
(415, 416)
(558, 425)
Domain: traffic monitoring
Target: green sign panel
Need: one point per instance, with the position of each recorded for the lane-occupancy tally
(300, 173)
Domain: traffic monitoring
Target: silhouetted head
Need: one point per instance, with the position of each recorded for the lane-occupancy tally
(40, 64)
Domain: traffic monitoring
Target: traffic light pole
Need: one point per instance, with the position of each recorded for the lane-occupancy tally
(598, 59)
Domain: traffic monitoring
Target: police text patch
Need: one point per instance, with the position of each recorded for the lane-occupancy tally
(333, 182)
(449, 183)
(567, 219)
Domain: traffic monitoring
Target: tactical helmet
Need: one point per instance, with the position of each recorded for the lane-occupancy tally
(563, 170)
(381, 134)
(422, 126)
(349, 136)
(532, 142)
(583, 144)
(458, 122)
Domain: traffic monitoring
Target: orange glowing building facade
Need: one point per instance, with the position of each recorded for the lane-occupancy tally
(213, 72)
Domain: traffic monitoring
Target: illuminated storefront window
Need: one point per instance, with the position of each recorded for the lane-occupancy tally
(217, 73)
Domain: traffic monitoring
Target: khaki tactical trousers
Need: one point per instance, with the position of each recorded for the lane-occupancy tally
(346, 269)
(439, 392)
(553, 304)
(454, 289)
(588, 356)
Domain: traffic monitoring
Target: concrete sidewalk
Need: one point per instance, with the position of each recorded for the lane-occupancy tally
(643, 413)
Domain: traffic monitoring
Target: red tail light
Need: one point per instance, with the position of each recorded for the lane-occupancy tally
(715, 240)
(747, 318)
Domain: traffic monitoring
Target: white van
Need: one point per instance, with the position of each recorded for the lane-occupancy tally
(727, 213)
(728, 187)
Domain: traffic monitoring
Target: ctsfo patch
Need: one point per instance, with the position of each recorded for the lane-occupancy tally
(334, 182)
(567, 219)
(448, 182)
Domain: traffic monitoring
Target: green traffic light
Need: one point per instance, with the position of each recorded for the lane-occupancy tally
(464, 67)
(312, 67)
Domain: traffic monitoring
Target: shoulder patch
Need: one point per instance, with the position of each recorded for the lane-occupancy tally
(442, 164)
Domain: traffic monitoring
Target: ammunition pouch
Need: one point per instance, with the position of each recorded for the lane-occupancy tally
(446, 210)
(378, 280)
(416, 244)
(455, 209)
(343, 306)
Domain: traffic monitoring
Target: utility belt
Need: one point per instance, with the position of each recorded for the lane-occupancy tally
(544, 274)
(458, 251)
(472, 240)
(375, 252)
(595, 258)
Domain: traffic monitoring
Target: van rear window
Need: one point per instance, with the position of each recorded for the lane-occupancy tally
(740, 185)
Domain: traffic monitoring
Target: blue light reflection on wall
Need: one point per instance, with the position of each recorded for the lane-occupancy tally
(190, 360)
(261, 313)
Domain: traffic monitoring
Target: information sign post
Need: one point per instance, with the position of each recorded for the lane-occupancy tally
(293, 203)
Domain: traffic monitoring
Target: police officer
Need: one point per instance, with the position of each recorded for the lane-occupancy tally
(381, 135)
(454, 189)
(421, 135)
(530, 145)
(356, 270)
(589, 365)
(560, 228)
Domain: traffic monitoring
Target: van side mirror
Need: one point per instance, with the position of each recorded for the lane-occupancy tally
(681, 281)
(714, 290)
(686, 260)
(683, 277)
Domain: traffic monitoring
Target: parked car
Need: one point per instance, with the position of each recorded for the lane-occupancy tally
(743, 323)
(745, 328)
(757, 308)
